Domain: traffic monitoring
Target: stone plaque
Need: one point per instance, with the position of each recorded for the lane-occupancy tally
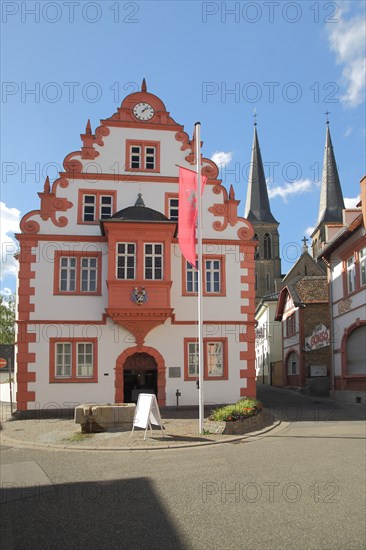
(174, 372)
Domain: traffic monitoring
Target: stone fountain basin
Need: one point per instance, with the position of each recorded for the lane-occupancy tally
(94, 417)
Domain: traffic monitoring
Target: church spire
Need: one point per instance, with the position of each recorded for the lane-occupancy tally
(257, 207)
(331, 198)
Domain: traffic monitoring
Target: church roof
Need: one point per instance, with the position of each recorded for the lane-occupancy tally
(257, 208)
(298, 269)
(331, 198)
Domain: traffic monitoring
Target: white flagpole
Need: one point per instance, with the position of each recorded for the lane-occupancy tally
(200, 279)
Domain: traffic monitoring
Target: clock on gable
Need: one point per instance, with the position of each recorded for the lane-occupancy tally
(143, 111)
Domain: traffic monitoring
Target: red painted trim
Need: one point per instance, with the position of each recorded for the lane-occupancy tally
(137, 124)
(219, 322)
(24, 357)
(120, 364)
(50, 206)
(247, 251)
(78, 255)
(74, 379)
(102, 321)
(61, 238)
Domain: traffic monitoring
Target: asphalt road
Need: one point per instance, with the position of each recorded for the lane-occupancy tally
(301, 486)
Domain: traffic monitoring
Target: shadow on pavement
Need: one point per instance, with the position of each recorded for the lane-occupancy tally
(115, 515)
(292, 406)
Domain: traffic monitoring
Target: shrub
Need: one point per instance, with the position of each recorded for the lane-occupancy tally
(237, 411)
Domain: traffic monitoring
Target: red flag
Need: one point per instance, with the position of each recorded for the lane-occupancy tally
(187, 212)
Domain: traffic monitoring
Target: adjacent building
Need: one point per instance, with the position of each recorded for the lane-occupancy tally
(304, 313)
(345, 257)
(268, 342)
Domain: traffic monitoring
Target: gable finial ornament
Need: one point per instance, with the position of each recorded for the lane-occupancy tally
(139, 296)
(327, 113)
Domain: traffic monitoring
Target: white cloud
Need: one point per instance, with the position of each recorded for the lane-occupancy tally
(221, 158)
(348, 132)
(309, 230)
(347, 40)
(6, 292)
(351, 202)
(10, 218)
(295, 188)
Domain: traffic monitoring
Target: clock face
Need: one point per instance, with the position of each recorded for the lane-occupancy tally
(143, 111)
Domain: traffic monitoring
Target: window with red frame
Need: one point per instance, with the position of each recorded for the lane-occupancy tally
(292, 364)
(351, 274)
(173, 208)
(362, 263)
(142, 156)
(215, 359)
(73, 360)
(95, 205)
(291, 325)
(77, 273)
(214, 277)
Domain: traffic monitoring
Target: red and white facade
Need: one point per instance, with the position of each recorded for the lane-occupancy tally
(345, 257)
(82, 336)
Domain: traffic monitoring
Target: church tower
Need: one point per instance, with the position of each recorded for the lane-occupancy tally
(331, 205)
(258, 212)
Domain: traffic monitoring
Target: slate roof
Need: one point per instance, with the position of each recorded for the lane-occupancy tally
(139, 214)
(257, 208)
(331, 198)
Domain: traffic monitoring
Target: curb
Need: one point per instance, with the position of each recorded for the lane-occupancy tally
(55, 447)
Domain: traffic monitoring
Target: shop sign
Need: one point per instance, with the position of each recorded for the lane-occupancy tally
(320, 338)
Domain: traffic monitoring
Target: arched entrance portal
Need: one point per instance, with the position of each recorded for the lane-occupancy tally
(135, 359)
(140, 375)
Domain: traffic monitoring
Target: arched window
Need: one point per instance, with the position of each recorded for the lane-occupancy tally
(267, 246)
(356, 351)
(292, 364)
(256, 254)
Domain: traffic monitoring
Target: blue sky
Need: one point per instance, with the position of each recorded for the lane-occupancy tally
(209, 61)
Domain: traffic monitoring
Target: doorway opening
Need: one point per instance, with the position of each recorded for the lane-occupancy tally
(140, 375)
